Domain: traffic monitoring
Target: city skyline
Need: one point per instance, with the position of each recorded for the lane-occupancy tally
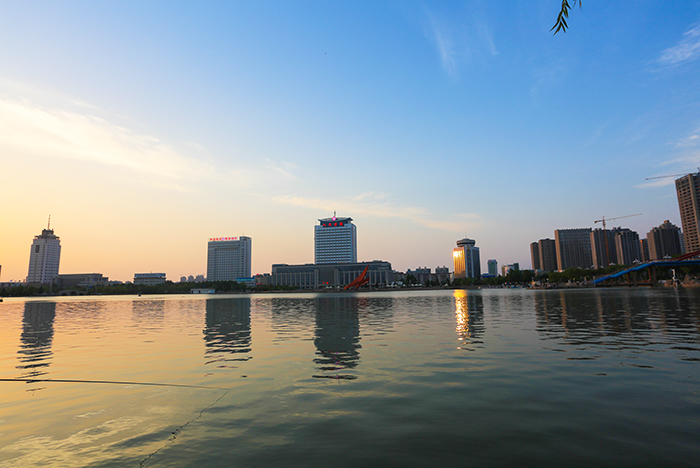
(145, 130)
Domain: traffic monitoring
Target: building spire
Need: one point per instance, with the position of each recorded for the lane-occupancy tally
(48, 226)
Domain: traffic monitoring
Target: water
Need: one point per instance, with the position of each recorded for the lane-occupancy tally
(466, 378)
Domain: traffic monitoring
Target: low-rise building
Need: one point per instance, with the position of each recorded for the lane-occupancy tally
(81, 280)
(149, 279)
(313, 276)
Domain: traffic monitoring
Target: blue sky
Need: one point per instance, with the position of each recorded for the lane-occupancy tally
(145, 128)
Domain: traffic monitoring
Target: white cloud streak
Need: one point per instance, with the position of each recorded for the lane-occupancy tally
(691, 140)
(457, 42)
(444, 40)
(380, 205)
(687, 50)
(30, 130)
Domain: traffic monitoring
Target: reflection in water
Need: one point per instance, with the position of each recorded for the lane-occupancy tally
(337, 336)
(625, 321)
(37, 335)
(227, 331)
(377, 314)
(148, 314)
(469, 313)
(291, 319)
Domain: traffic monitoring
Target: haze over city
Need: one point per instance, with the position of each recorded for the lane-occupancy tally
(144, 129)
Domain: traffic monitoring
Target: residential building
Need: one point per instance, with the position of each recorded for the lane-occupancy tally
(149, 279)
(335, 241)
(627, 246)
(466, 259)
(664, 241)
(603, 247)
(573, 248)
(313, 276)
(493, 267)
(442, 274)
(44, 257)
(644, 249)
(688, 192)
(229, 258)
(535, 256)
(548, 254)
(421, 274)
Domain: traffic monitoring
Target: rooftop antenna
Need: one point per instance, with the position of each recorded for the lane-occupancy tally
(334, 213)
(48, 227)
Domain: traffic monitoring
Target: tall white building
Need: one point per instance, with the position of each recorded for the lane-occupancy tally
(335, 241)
(229, 258)
(44, 257)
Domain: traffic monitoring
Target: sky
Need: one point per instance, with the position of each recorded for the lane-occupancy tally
(145, 128)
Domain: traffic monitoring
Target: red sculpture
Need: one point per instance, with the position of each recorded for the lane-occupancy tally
(359, 281)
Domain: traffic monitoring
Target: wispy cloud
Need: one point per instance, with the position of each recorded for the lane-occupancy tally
(458, 41)
(75, 132)
(595, 136)
(443, 38)
(687, 161)
(687, 50)
(381, 205)
(690, 140)
(37, 131)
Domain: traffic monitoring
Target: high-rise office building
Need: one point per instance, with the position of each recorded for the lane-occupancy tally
(335, 241)
(664, 241)
(493, 267)
(548, 254)
(466, 259)
(627, 246)
(688, 191)
(229, 258)
(573, 248)
(535, 256)
(44, 257)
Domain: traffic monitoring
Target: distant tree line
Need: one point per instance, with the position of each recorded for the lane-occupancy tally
(168, 287)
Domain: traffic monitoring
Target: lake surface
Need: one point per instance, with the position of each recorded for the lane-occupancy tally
(483, 378)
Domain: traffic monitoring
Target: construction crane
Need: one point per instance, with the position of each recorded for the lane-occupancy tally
(670, 175)
(611, 219)
(605, 234)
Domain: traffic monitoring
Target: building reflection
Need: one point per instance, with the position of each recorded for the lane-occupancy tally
(469, 314)
(613, 317)
(227, 336)
(36, 338)
(337, 336)
(291, 319)
(377, 315)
